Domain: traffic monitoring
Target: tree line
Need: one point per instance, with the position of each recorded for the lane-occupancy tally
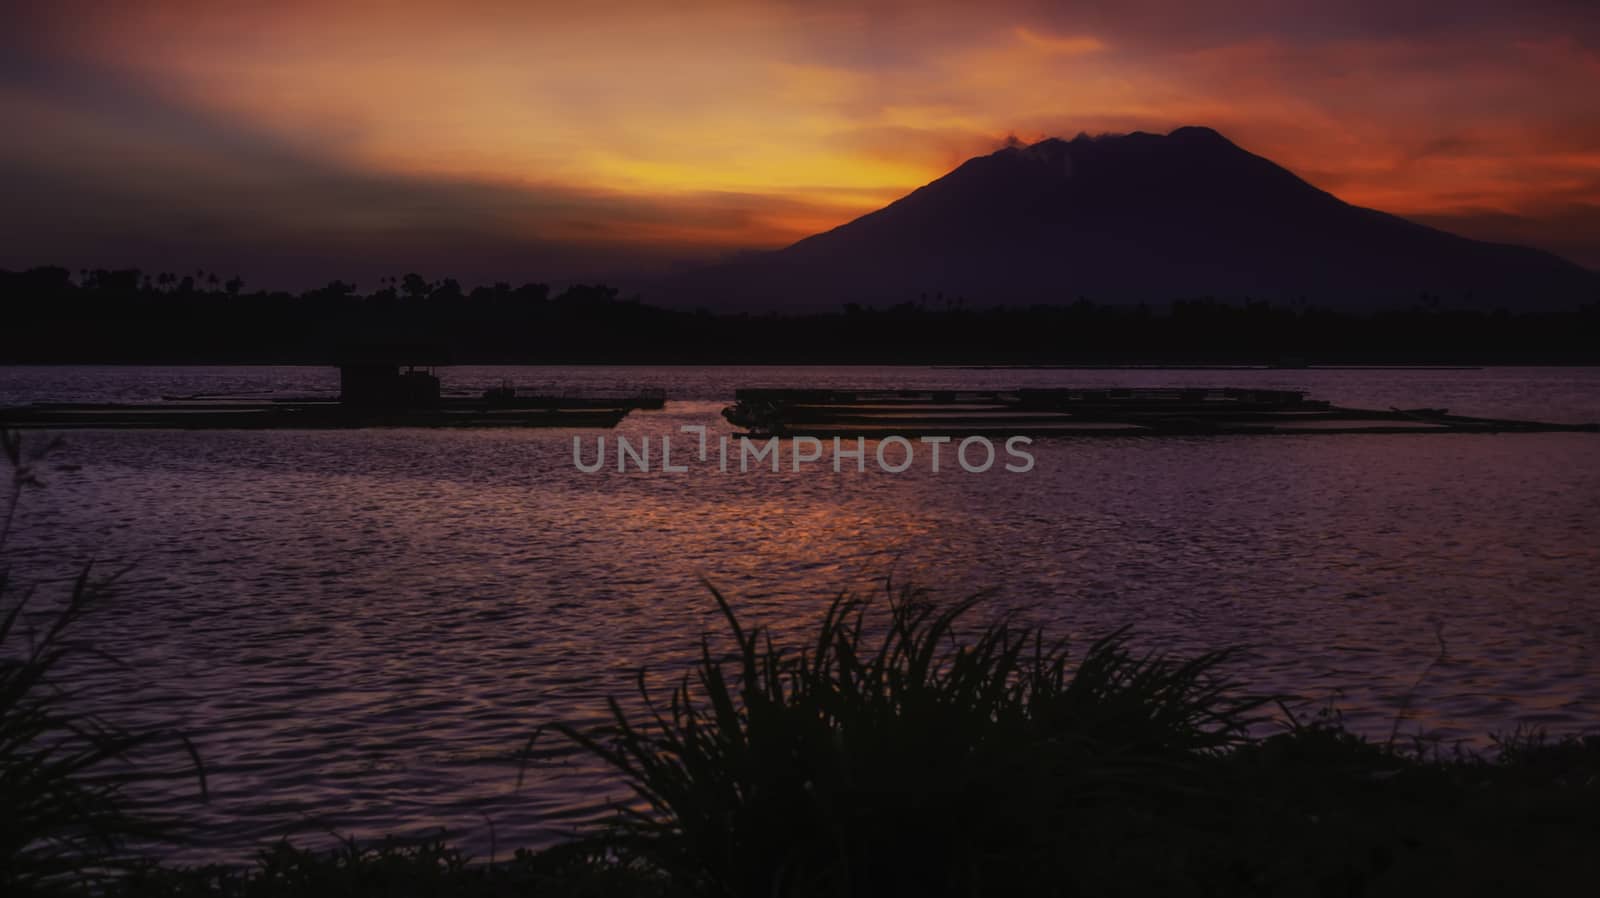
(53, 315)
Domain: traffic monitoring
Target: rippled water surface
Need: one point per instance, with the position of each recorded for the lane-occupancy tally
(361, 629)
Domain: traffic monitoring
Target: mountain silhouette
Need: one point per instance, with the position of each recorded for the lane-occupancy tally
(1128, 218)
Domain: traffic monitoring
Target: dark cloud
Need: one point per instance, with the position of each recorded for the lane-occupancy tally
(1189, 25)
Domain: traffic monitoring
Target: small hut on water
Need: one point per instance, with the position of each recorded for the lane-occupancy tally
(391, 376)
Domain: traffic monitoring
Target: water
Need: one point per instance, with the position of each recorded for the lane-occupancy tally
(360, 630)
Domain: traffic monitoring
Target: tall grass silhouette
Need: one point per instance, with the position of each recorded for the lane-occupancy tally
(65, 819)
(824, 771)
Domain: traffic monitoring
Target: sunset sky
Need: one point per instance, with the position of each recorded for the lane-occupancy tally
(295, 141)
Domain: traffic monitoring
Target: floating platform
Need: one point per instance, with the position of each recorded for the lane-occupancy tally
(1068, 412)
(323, 415)
(497, 398)
(375, 390)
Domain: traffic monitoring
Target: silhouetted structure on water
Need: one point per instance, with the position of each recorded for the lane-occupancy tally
(1092, 412)
(380, 376)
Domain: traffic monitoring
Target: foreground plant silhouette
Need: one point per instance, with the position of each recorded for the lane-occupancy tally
(923, 755)
(64, 817)
(827, 771)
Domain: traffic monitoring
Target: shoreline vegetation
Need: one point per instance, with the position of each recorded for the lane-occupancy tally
(126, 316)
(905, 748)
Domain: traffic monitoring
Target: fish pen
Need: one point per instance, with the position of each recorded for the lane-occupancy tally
(1088, 412)
(373, 392)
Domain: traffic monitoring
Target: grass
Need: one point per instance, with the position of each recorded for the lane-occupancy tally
(897, 758)
(393, 867)
(65, 817)
(823, 771)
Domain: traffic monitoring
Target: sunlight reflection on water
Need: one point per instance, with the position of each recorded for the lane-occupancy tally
(361, 629)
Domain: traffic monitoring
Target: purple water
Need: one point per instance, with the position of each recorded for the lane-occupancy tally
(361, 629)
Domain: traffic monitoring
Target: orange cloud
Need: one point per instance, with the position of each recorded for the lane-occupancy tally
(1066, 46)
(715, 126)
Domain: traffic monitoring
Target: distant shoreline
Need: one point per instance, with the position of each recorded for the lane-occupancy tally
(790, 363)
(1136, 367)
(125, 317)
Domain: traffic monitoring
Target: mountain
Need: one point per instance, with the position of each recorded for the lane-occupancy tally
(1134, 217)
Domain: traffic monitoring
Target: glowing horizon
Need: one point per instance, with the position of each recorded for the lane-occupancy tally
(499, 136)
